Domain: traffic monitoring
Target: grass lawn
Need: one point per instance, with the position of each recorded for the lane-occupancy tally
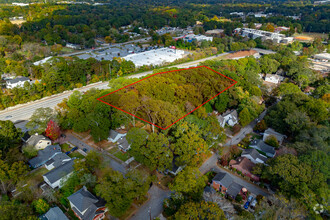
(35, 177)
(113, 150)
(76, 154)
(65, 147)
(122, 156)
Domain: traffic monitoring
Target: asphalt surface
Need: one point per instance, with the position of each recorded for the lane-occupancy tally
(81, 145)
(24, 111)
(154, 206)
(245, 130)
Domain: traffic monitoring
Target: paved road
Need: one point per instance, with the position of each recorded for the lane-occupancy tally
(80, 144)
(155, 204)
(246, 130)
(24, 111)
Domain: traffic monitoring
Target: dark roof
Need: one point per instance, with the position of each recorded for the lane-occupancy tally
(84, 200)
(277, 135)
(18, 79)
(254, 154)
(263, 146)
(54, 213)
(58, 160)
(234, 189)
(123, 143)
(59, 172)
(34, 139)
(44, 155)
(209, 189)
(26, 136)
(113, 134)
(224, 178)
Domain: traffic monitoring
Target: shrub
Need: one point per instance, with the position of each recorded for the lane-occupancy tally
(272, 141)
(41, 206)
(30, 151)
(238, 198)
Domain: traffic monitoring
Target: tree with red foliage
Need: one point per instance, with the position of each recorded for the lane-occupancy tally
(52, 130)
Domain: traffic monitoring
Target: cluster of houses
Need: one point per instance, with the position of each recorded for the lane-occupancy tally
(84, 204)
(259, 152)
(19, 81)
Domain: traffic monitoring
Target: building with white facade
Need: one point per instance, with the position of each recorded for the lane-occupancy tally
(264, 35)
(17, 82)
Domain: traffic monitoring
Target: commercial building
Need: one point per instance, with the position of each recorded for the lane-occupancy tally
(264, 35)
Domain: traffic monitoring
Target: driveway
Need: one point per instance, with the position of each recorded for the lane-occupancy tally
(245, 130)
(80, 144)
(154, 205)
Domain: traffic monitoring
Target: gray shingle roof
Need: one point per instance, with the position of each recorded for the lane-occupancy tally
(123, 143)
(280, 137)
(34, 139)
(44, 155)
(60, 172)
(254, 154)
(234, 189)
(263, 146)
(58, 160)
(18, 79)
(54, 213)
(84, 200)
(225, 179)
(113, 134)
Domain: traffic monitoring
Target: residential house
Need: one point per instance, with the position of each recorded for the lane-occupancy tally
(17, 82)
(54, 213)
(254, 156)
(175, 169)
(123, 144)
(57, 160)
(230, 117)
(86, 206)
(37, 140)
(273, 78)
(114, 136)
(56, 177)
(262, 146)
(245, 166)
(224, 183)
(45, 155)
(272, 132)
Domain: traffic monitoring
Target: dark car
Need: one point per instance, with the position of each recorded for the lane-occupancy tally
(74, 149)
(85, 150)
(246, 205)
(63, 135)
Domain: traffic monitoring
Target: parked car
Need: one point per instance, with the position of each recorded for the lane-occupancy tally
(253, 203)
(63, 135)
(8, 116)
(85, 150)
(250, 199)
(246, 205)
(74, 149)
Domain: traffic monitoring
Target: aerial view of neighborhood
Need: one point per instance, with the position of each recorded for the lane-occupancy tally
(164, 109)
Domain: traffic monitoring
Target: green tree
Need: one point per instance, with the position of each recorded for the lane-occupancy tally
(202, 210)
(190, 182)
(41, 206)
(119, 192)
(10, 136)
(39, 119)
(16, 210)
(11, 174)
(268, 65)
(287, 89)
(245, 117)
(272, 141)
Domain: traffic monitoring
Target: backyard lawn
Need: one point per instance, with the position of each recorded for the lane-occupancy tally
(65, 147)
(76, 154)
(122, 156)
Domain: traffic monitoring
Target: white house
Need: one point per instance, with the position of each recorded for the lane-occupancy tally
(17, 82)
(56, 177)
(39, 142)
(115, 136)
(273, 78)
(57, 160)
(230, 117)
